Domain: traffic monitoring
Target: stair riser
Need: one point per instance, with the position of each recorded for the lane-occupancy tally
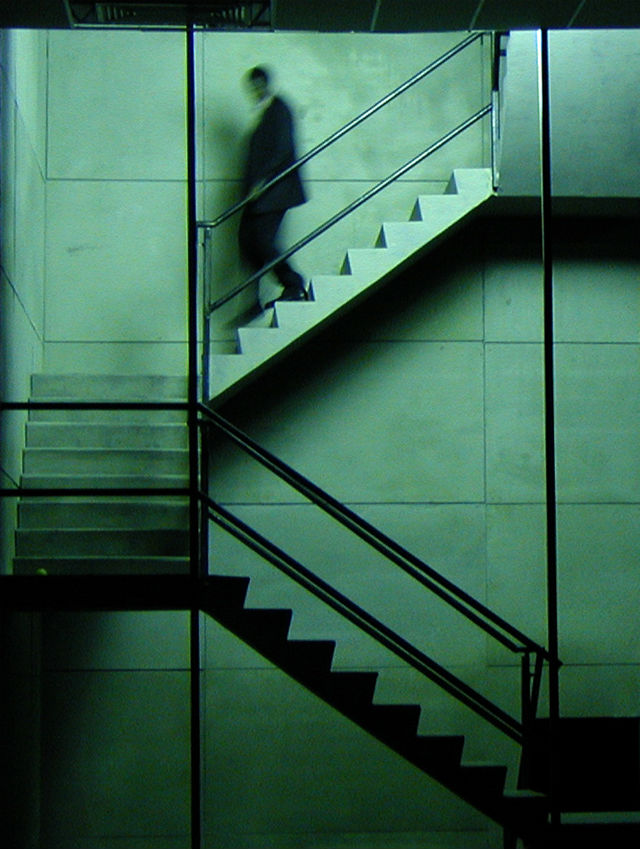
(110, 417)
(143, 515)
(371, 264)
(46, 461)
(134, 543)
(101, 566)
(159, 437)
(111, 481)
(146, 388)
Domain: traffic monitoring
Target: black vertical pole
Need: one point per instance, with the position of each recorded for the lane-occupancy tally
(549, 390)
(194, 512)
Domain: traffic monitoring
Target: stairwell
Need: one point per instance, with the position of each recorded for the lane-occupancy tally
(113, 535)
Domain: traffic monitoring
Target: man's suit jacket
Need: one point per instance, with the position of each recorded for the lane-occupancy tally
(271, 150)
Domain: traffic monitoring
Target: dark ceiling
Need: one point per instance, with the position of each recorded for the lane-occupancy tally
(374, 15)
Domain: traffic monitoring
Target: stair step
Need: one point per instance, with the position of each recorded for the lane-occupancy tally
(405, 236)
(264, 629)
(439, 212)
(370, 264)
(108, 387)
(103, 435)
(225, 591)
(262, 342)
(147, 514)
(126, 543)
(79, 461)
(111, 417)
(308, 658)
(395, 724)
(294, 317)
(349, 691)
(333, 290)
(474, 183)
(69, 565)
(73, 481)
(440, 752)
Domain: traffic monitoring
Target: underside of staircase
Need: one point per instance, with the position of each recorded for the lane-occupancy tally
(400, 243)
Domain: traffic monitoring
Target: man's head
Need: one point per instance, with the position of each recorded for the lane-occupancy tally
(257, 80)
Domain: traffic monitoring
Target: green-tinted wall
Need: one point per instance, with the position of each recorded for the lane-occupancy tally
(23, 71)
(422, 411)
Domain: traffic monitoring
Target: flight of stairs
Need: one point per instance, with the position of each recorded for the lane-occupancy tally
(352, 693)
(98, 448)
(399, 243)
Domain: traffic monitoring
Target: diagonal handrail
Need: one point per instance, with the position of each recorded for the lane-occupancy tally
(338, 134)
(482, 616)
(347, 608)
(356, 204)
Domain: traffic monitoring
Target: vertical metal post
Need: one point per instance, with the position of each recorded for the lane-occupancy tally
(206, 315)
(495, 107)
(549, 393)
(194, 512)
(526, 719)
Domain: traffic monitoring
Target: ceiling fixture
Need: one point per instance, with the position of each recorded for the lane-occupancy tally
(208, 14)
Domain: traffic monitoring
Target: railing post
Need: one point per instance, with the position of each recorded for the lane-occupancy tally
(496, 128)
(194, 507)
(549, 391)
(207, 258)
(527, 717)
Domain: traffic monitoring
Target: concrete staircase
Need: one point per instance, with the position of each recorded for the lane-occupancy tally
(98, 448)
(399, 243)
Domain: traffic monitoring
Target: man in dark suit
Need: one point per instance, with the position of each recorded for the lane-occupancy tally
(271, 151)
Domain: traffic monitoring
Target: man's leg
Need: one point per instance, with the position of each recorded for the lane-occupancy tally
(257, 236)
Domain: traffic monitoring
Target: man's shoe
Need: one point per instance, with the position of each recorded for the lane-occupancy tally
(289, 295)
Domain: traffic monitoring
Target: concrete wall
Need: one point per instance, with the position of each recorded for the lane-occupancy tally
(116, 170)
(421, 411)
(595, 123)
(116, 203)
(425, 414)
(23, 71)
(115, 731)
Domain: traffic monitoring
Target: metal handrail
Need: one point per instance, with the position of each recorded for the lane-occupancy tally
(359, 119)
(365, 621)
(383, 184)
(393, 551)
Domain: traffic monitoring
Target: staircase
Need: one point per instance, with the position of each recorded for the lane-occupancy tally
(91, 535)
(352, 693)
(399, 243)
(98, 448)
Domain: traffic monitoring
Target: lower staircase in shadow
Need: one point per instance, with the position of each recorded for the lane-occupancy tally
(309, 662)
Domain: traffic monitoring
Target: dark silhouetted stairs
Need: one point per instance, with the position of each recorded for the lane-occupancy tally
(310, 663)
